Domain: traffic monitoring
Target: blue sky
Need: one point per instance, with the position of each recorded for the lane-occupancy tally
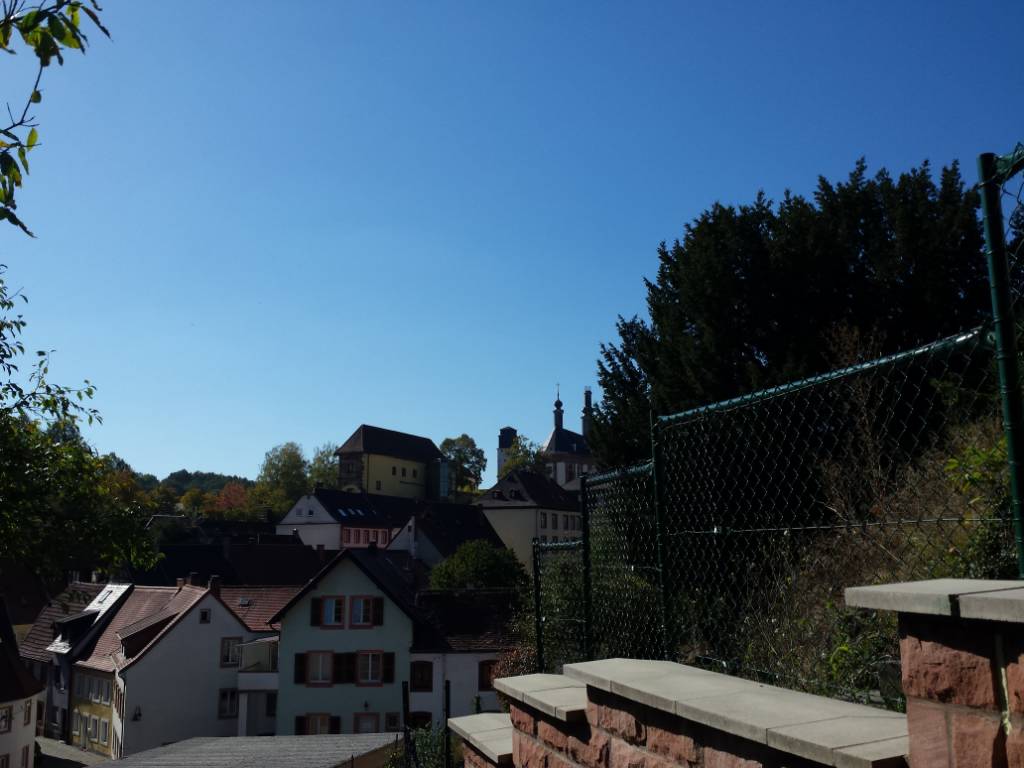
(261, 222)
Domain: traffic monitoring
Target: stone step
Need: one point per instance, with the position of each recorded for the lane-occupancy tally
(557, 696)
(490, 733)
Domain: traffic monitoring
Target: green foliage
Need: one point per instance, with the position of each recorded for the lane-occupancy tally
(47, 29)
(524, 455)
(466, 460)
(208, 482)
(429, 746)
(749, 296)
(283, 478)
(323, 468)
(479, 565)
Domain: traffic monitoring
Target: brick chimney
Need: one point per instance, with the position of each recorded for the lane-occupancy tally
(194, 580)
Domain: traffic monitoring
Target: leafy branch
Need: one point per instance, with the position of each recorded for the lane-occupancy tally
(48, 30)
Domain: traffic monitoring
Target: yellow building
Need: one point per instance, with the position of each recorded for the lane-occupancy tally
(389, 463)
(92, 710)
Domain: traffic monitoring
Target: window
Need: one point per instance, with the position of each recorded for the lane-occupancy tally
(204, 615)
(106, 691)
(369, 668)
(485, 675)
(394, 471)
(319, 667)
(334, 611)
(94, 728)
(317, 724)
(415, 473)
(373, 536)
(76, 722)
(104, 731)
(227, 703)
(28, 711)
(554, 521)
(24, 756)
(565, 522)
(403, 471)
(270, 702)
(376, 485)
(392, 721)
(364, 536)
(309, 513)
(5, 719)
(5, 761)
(229, 649)
(362, 612)
(346, 536)
(366, 722)
(421, 676)
(543, 539)
(543, 519)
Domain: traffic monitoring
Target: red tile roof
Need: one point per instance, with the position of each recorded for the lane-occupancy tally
(141, 604)
(263, 602)
(71, 600)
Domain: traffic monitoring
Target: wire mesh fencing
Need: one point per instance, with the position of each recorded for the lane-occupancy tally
(732, 547)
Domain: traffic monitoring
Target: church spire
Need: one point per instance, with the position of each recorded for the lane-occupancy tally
(558, 407)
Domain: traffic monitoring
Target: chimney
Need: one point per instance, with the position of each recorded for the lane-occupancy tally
(180, 582)
(588, 413)
(194, 580)
(506, 437)
(215, 585)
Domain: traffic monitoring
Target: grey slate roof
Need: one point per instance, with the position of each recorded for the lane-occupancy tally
(388, 442)
(528, 489)
(260, 752)
(562, 440)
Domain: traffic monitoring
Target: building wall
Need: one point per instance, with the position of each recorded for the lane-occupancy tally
(21, 734)
(462, 669)
(387, 471)
(87, 707)
(410, 539)
(516, 527)
(299, 636)
(176, 684)
(315, 525)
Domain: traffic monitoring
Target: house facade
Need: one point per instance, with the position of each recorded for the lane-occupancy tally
(524, 505)
(328, 519)
(384, 461)
(19, 698)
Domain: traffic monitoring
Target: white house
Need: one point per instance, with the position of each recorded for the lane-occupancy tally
(19, 694)
(330, 519)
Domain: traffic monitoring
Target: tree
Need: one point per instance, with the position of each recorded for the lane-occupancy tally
(523, 455)
(285, 468)
(467, 462)
(48, 30)
(479, 565)
(749, 295)
(232, 501)
(193, 502)
(323, 469)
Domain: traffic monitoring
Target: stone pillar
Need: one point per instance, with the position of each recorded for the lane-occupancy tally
(962, 661)
(243, 713)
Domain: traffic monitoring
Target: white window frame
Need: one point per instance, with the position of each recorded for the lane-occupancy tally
(6, 713)
(363, 615)
(369, 657)
(94, 728)
(318, 724)
(76, 722)
(104, 731)
(229, 696)
(330, 617)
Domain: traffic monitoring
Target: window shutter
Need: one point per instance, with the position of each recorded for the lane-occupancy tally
(300, 725)
(316, 611)
(338, 670)
(335, 724)
(348, 667)
(300, 668)
(378, 611)
(388, 668)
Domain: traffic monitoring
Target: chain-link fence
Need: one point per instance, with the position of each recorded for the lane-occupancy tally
(731, 548)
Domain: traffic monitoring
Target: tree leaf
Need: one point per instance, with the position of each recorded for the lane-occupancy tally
(37, 96)
(33, 138)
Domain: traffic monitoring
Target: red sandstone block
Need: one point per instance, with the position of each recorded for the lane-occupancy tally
(555, 761)
(552, 735)
(977, 740)
(617, 722)
(473, 758)
(522, 720)
(947, 660)
(1015, 747)
(528, 753)
(672, 744)
(623, 755)
(591, 753)
(714, 758)
(929, 741)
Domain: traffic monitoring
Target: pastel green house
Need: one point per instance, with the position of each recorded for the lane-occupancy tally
(344, 649)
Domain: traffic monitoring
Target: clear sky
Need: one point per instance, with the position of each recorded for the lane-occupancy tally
(261, 222)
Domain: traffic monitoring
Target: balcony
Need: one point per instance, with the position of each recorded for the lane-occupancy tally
(257, 665)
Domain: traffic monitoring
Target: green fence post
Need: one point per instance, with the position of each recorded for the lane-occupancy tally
(1005, 329)
(658, 482)
(588, 625)
(538, 621)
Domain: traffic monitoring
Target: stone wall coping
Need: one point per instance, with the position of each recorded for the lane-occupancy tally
(557, 696)
(828, 731)
(490, 733)
(941, 597)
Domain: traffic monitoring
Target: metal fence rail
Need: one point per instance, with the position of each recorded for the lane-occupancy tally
(732, 546)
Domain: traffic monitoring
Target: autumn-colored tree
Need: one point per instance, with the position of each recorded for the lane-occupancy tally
(232, 501)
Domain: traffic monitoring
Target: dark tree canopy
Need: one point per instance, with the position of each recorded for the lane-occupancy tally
(467, 462)
(479, 565)
(749, 297)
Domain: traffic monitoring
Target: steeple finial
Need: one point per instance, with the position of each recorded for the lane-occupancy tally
(558, 407)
